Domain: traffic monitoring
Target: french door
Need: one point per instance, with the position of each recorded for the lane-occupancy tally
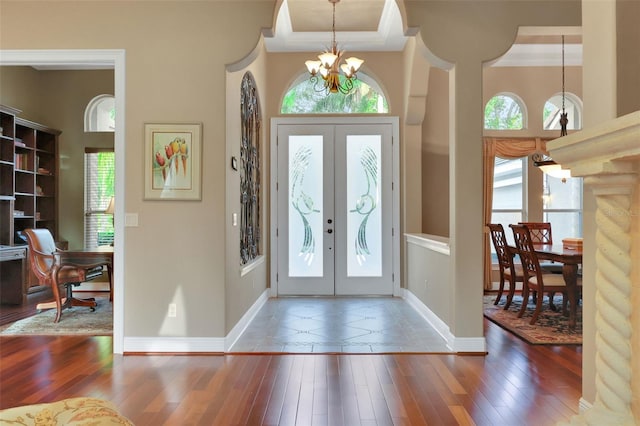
(334, 209)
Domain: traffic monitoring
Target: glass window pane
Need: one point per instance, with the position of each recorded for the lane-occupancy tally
(564, 225)
(305, 206)
(553, 109)
(503, 113)
(562, 195)
(364, 223)
(305, 98)
(507, 184)
(506, 218)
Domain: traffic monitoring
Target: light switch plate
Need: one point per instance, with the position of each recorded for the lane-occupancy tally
(234, 219)
(131, 219)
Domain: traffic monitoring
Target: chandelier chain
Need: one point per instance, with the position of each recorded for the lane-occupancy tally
(563, 73)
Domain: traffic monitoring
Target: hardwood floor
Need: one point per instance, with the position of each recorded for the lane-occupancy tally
(515, 384)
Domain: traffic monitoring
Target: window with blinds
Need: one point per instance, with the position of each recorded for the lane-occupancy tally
(99, 178)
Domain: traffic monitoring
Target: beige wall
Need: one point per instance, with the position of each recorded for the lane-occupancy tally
(627, 57)
(435, 156)
(179, 76)
(176, 54)
(243, 288)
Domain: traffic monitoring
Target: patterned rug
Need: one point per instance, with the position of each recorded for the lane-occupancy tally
(77, 320)
(551, 328)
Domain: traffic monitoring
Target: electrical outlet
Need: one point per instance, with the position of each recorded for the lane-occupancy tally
(173, 310)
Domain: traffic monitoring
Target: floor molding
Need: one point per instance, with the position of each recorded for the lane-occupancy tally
(456, 344)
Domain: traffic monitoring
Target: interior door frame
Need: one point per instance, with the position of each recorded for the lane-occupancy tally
(395, 187)
(96, 59)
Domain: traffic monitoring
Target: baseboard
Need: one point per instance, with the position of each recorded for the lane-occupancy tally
(174, 345)
(456, 344)
(133, 345)
(246, 319)
(584, 405)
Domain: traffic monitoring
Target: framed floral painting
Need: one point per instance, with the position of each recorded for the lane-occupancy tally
(173, 161)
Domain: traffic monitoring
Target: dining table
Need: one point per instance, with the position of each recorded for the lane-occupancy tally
(571, 258)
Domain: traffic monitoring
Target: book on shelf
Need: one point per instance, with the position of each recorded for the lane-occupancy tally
(19, 143)
(21, 161)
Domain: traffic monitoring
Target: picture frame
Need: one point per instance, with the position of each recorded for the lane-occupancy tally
(172, 161)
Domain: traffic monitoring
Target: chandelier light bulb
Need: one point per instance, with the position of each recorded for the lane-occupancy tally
(313, 66)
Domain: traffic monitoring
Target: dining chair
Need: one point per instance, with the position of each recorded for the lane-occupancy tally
(507, 268)
(541, 234)
(535, 280)
(42, 260)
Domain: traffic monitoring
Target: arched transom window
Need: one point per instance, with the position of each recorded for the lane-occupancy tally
(100, 114)
(304, 98)
(553, 108)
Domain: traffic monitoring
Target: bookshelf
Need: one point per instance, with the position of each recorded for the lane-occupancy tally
(28, 177)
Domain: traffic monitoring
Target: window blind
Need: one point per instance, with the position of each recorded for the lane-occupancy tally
(99, 179)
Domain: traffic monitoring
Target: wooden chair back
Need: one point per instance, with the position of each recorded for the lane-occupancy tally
(499, 239)
(41, 249)
(528, 257)
(540, 232)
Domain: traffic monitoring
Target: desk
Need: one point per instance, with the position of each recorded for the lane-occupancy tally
(570, 259)
(13, 281)
(86, 257)
(89, 263)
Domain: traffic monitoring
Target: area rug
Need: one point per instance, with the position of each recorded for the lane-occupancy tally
(77, 320)
(551, 328)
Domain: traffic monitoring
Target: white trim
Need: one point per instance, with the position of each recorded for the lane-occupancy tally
(456, 344)
(430, 242)
(245, 269)
(273, 200)
(173, 344)
(246, 319)
(469, 345)
(86, 59)
(584, 405)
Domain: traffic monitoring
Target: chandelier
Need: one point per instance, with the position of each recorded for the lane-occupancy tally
(546, 163)
(328, 67)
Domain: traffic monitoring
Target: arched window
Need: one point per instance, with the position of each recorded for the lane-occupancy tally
(100, 114)
(303, 98)
(553, 108)
(505, 111)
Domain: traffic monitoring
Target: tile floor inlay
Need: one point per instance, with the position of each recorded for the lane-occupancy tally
(340, 325)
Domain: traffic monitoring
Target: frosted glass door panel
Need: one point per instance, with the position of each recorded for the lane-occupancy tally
(364, 206)
(364, 217)
(305, 206)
